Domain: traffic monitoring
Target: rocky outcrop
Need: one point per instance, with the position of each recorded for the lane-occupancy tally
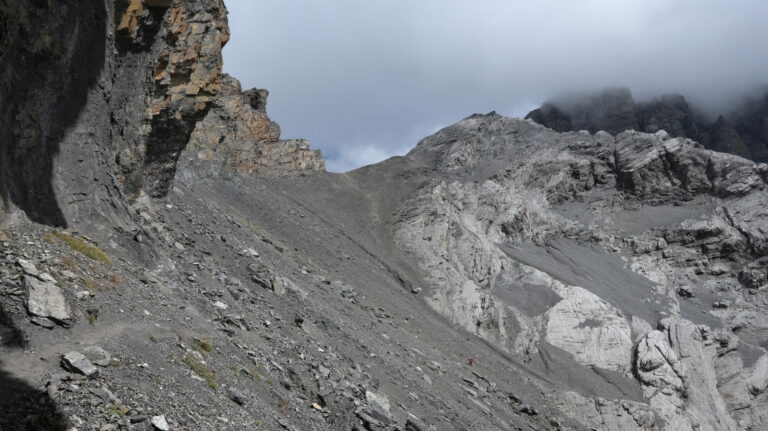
(45, 300)
(123, 86)
(186, 76)
(742, 131)
(237, 136)
(522, 241)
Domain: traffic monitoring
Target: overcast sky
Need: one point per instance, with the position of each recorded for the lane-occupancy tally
(366, 79)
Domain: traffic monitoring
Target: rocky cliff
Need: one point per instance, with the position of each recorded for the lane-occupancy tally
(104, 96)
(628, 254)
(742, 131)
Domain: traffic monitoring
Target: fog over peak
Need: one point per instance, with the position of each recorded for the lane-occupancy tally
(364, 80)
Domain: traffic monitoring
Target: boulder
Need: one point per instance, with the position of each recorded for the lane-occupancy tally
(76, 362)
(378, 407)
(44, 299)
(265, 277)
(28, 267)
(160, 423)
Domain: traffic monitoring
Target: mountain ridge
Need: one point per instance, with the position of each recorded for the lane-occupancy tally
(740, 131)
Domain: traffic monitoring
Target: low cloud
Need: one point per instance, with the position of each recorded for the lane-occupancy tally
(360, 78)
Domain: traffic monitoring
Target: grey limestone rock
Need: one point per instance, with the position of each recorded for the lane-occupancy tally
(44, 299)
(76, 362)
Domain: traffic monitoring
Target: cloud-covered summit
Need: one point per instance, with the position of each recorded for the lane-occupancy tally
(366, 80)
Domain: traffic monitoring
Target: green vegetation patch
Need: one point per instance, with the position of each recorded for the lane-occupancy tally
(201, 370)
(82, 247)
(203, 346)
(116, 409)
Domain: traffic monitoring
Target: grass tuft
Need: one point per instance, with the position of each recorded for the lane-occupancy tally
(82, 247)
(203, 346)
(116, 409)
(201, 370)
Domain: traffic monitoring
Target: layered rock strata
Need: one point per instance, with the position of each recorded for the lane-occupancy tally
(634, 255)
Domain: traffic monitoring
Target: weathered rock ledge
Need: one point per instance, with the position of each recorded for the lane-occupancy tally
(237, 136)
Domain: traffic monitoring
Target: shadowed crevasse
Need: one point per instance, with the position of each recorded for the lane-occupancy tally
(51, 54)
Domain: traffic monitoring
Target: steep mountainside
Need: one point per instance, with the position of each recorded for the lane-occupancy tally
(211, 276)
(743, 131)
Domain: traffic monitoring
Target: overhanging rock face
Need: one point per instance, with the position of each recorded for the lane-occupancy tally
(99, 98)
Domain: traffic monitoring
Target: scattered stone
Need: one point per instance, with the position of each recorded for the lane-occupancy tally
(370, 420)
(160, 423)
(46, 300)
(324, 371)
(104, 394)
(528, 410)
(413, 424)
(28, 267)
(685, 292)
(265, 277)
(47, 277)
(69, 275)
(141, 426)
(97, 355)
(76, 362)
(758, 382)
(251, 252)
(237, 396)
(299, 320)
(137, 418)
(378, 407)
(149, 277)
(83, 295)
(220, 305)
(93, 314)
